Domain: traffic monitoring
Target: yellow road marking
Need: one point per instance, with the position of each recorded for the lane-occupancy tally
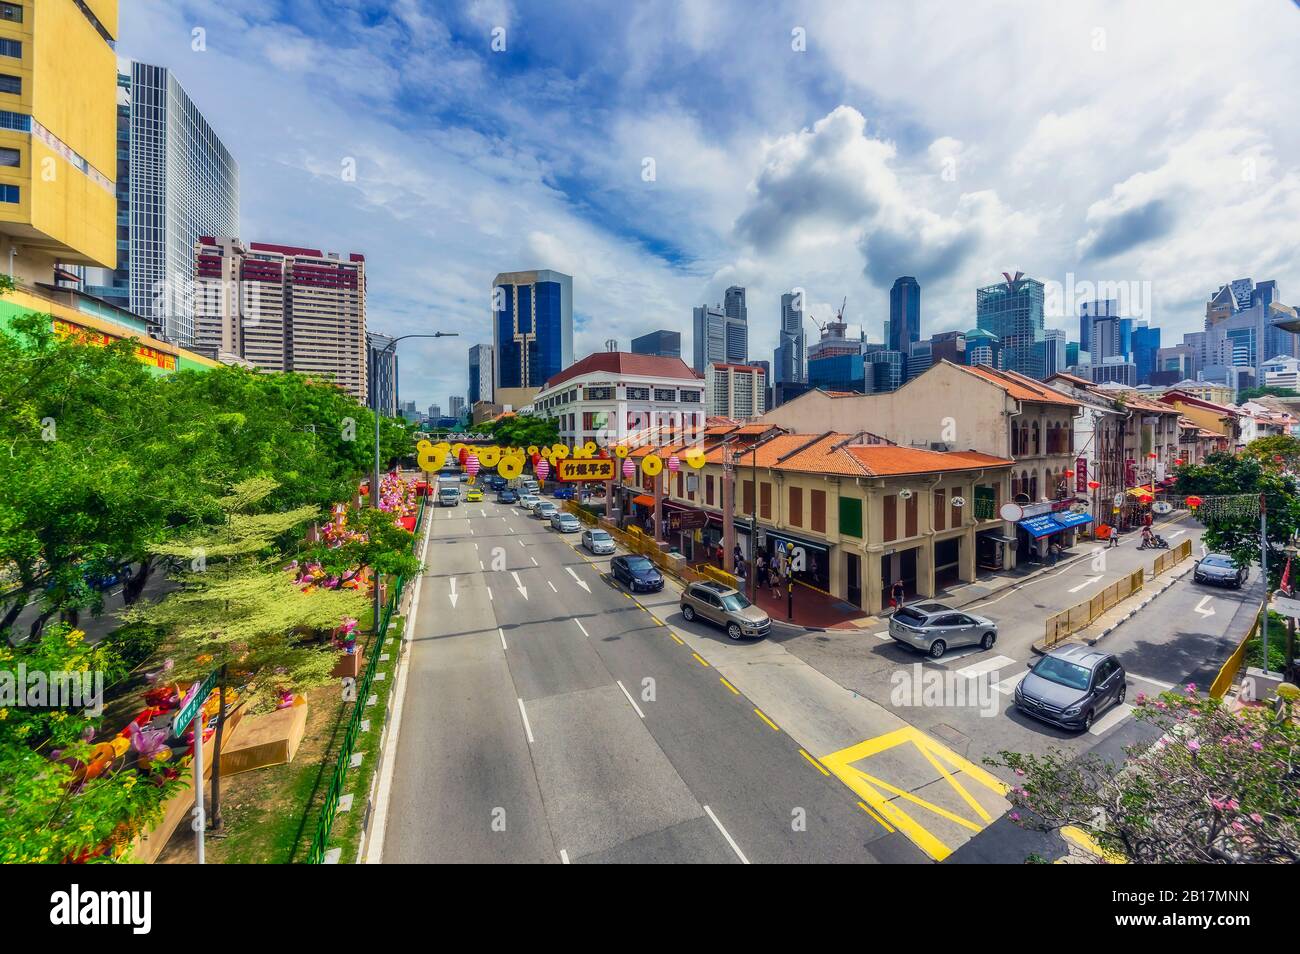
(817, 765)
(658, 621)
(759, 712)
(888, 827)
(722, 680)
(676, 637)
(1089, 844)
(699, 659)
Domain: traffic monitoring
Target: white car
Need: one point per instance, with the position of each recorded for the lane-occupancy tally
(598, 541)
(529, 501)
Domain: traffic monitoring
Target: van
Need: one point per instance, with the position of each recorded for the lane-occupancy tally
(449, 496)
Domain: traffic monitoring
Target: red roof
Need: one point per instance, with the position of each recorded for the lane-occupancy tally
(624, 362)
(1018, 386)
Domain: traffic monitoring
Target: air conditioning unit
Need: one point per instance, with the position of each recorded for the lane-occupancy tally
(940, 446)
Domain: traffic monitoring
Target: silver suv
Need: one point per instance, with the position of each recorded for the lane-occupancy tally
(723, 606)
(934, 628)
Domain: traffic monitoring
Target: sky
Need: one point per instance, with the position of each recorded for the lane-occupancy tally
(659, 152)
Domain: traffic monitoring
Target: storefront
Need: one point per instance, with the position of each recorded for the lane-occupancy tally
(1039, 532)
(817, 558)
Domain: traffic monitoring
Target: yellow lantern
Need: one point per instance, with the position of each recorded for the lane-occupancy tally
(620, 451)
(695, 457)
(489, 456)
(510, 467)
(651, 465)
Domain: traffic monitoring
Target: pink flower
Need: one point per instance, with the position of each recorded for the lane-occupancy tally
(1193, 745)
(1014, 816)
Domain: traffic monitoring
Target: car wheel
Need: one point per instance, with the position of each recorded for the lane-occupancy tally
(988, 641)
(1087, 720)
(733, 631)
(1123, 691)
(937, 648)
(688, 613)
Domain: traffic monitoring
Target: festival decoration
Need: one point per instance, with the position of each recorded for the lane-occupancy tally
(652, 465)
(695, 457)
(511, 467)
(674, 463)
(471, 465)
(620, 450)
(629, 468)
(489, 457)
(541, 468)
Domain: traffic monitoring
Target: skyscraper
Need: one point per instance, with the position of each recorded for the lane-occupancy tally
(733, 303)
(904, 315)
(1146, 348)
(662, 343)
(381, 374)
(532, 327)
(1013, 311)
(455, 405)
(283, 308)
(480, 373)
(1055, 352)
(789, 358)
(57, 149)
(719, 338)
(177, 182)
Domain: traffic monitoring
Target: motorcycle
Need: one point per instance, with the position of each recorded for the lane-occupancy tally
(1154, 542)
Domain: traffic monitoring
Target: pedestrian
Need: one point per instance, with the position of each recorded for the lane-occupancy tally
(1114, 538)
(1054, 551)
(760, 571)
(738, 555)
(774, 577)
(896, 595)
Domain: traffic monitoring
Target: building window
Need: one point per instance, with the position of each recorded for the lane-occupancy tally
(796, 507)
(638, 394)
(11, 12)
(765, 500)
(747, 498)
(9, 193)
(889, 517)
(939, 501)
(600, 394)
(11, 84)
(708, 489)
(912, 508)
(19, 121)
(12, 48)
(665, 394)
(10, 157)
(818, 522)
(851, 517)
(689, 397)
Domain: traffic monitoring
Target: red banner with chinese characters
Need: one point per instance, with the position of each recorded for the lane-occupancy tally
(1081, 475)
(151, 356)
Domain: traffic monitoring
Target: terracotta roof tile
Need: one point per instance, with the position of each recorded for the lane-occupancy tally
(884, 460)
(624, 362)
(1018, 386)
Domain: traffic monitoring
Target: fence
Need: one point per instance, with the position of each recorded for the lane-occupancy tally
(633, 540)
(325, 824)
(1171, 558)
(1081, 614)
(1228, 671)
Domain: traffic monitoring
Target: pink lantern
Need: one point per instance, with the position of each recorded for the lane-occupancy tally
(471, 464)
(541, 468)
(674, 464)
(629, 468)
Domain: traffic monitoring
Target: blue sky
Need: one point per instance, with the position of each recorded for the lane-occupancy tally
(1150, 143)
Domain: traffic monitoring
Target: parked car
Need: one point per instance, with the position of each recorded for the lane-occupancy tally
(1071, 685)
(544, 509)
(565, 522)
(474, 495)
(507, 496)
(529, 501)
(1221, 570)
(637, 573)
(562, 492)
(449, 496)
(724, 606)
(598, 541)
(934, 628)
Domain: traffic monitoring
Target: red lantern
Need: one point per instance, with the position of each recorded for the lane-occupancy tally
(1178, 462)
(1146, 498)
(1093, 485)
(1152, 455)
(1068, 473)
(464, 453)
(1194, 501)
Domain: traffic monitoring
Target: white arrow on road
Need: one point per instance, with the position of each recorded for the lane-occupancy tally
(576, 580)
(523, 590)
(453, 596)
(1088, 582)
(1177, 533)
(1202, 608)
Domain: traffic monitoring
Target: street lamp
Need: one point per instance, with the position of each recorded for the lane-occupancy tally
(391, 347)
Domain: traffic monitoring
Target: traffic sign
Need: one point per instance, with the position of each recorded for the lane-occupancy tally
(193, 703)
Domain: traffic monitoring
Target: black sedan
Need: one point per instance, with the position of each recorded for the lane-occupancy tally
(637, 573)
(1221, 570)
(507, 496)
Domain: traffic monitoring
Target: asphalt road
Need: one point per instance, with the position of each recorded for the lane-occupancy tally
(548, 717)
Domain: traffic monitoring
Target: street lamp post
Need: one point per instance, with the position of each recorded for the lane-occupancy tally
(391, 347)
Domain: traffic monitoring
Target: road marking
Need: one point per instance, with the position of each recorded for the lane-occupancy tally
(1008, 686)
(453, 595)
(759, 713)
(523, 590)
(722, 679)
(699, 659)
(481, 567)
(522, 544)
(581, 583)
(1202, 609)
(1112, 718)
(552, 586)
(489, 589)
(1154, 682)
(817, 765)
(629, 698)
(564, 857)
(1088, 582)
(534, 559)
(528, 729)
(1087, 843)
(884, 635)
(583, 628)
(731, 841)
(502, 634)
(888, 827)
(471, 531)
(1176, 533)
(986, 665)
(676, 637)
(509, 528)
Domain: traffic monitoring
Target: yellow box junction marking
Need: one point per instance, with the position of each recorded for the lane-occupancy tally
(1086, 842)
(875, 792)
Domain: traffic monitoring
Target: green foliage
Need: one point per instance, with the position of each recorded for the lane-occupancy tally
(524, 430)
(380, 543)
(1250, 394)
(1275, 452)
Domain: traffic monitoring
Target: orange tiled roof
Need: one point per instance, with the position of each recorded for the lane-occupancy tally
(1018, 386)
(884, 460)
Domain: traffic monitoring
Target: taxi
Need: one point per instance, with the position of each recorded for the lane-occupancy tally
(474, 495)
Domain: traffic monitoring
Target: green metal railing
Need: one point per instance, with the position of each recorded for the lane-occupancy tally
(325, 824)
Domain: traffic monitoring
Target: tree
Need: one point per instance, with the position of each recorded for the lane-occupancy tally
(1235, 529)
(1218, 786)
(1249, 394)
(524, 430)
(1275, 452)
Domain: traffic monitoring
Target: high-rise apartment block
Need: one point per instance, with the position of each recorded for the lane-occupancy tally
(721, 331)
(735, 390)
(283, 308)
(176, 181)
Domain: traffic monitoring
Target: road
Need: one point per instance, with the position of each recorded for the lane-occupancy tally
(550, 717)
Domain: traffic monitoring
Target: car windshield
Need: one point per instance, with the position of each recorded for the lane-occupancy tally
(735, 602)
(599, 535)
(1215, 559)
(1062, 672)
(639, 565)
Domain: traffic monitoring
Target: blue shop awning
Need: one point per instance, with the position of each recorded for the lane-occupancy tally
(1068, 519)
(1040, 526)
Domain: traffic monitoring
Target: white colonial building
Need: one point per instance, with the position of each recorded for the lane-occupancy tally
(610, 394)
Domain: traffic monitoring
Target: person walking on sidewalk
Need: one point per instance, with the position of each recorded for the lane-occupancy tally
(1114, 538)
(896, 595)
(1054, 552)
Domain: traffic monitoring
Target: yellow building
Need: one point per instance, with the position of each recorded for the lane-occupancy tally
(58, 88)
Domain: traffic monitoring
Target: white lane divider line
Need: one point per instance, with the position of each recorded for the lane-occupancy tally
(986, 665)
(564, 857)
(502, 634)
(630, 699)
(489, 589)
(1112, 718)
(1088, 582)
(552, 586)
(534, 559)
(528, 729)
(1154, 682)
(581, 583)
(583, 628)
(725, 834)
(481, 567)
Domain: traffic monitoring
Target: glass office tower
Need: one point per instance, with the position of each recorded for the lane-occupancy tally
(532, 327)
(1013, 312)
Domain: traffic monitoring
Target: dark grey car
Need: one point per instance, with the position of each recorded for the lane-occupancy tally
(1071, 686)
(1220, 569)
